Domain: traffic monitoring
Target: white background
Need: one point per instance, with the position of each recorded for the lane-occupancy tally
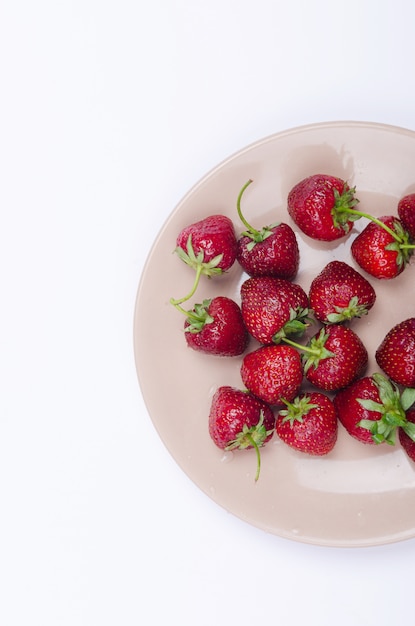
(110, 111)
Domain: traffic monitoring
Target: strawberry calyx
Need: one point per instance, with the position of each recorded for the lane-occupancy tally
(296, 409)
(256, 236)
(296, 325)
(401, 245)
(196, 262)
(253, 437)
(315, 351)
(392, 407)
(349, 312)
(198, 317)
(342, 211)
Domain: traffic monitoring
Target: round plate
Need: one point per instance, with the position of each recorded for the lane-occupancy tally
(357, 495)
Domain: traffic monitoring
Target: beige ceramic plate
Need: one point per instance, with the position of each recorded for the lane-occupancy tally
(357, 495)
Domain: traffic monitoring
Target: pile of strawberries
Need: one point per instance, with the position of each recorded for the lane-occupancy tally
(275, 311)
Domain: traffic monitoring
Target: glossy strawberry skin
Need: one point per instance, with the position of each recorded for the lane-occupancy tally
(213, 236)
(348, 363)
(396, 353)
(406, 442)
(316, 432)
(311, 203)
(350, 412)
(272, 373)
(277, 255)
(334, 289)
(266, 305)
(406, 213)
(371, 253)
(232, 409)
(224, 335)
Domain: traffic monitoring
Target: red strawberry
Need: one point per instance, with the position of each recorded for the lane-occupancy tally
(396, 353)
(272, 373)
(382, 249)
(239, 420)
(407, 441)
(216, 327)
(333, 358)
(372, 409)
(208, 246)
(308, 424)
(320, 206)
(406, 213)
(273, 308)
(340, 293)
(271, 251)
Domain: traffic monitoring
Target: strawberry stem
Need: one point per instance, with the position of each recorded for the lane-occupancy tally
(391, 232)
(175, 303)
(256, 236)
(198, 317)
(315, 350)
(258, 455)
(255, 233)
(307, 349)
(198, 263)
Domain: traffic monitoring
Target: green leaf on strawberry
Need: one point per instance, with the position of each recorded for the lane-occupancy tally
(391, 409)
(254, 437)
(343, 202)
(199, 317)
(296, 325)
(296, 409)
(407, 398)
(189, 257)
(354, 309)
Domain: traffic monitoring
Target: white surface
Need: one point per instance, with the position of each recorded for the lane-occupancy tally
(98, 525)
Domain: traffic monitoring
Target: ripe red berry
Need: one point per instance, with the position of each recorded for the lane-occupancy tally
(333, 358)
(372, 409)
(273, 308)
(273, 373)
(308, 424)
(209, 247)
(320, 205)
(396, 353)
(212, 242)
(340, 293)
(238, 421)
(271, 251)
(406, 213)
(216, 327)
(382, 249)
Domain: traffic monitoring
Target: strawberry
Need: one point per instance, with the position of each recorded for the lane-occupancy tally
(396, 353)
(382, 249)
(333, 358)
(320, 206)
(308, 424)
(273, 308)
(340, 293)
(372, 409)
(406, 213)
(271, 251)
(239, 420)
(216, 327)
(208, 246)
(272, 373)
(407, 441)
